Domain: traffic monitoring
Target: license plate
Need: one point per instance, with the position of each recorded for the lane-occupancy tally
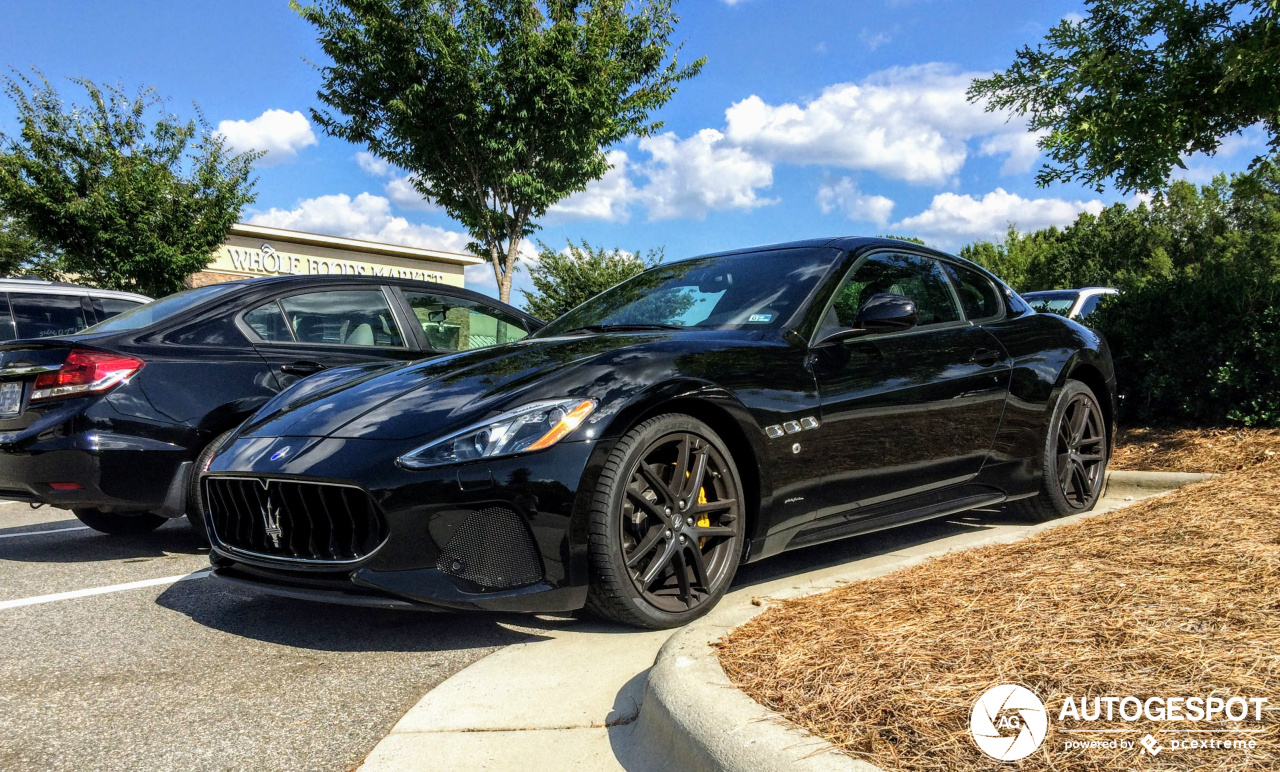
(10, 399)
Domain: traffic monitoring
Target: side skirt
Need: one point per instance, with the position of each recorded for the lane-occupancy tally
(830, 531)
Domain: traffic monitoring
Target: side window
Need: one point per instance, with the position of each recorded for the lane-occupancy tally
(918, 278)
(341, 317)
(455, 324)
(43, 316)
(267, 320)
(1089, 306)
(978, 296)
(109, 307)
(7, 331)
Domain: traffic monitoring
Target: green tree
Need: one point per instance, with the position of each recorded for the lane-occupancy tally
(563, 280)
(498, 108)
(125, 199)
(17, 247)
(1137, 84)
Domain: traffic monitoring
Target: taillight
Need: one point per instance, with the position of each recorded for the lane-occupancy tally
(85, 372)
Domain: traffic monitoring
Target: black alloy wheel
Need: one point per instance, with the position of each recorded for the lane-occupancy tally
(667, 529)
(1075, 457)
(1081, 451)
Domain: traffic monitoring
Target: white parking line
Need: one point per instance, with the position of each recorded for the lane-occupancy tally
(37, 533)
(101, 590)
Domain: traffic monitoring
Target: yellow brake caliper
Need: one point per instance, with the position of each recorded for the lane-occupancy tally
(704, 520)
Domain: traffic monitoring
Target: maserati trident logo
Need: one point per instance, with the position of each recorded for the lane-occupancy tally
(271, 523)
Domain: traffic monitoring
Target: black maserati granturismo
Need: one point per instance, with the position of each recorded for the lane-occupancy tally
(631, 454)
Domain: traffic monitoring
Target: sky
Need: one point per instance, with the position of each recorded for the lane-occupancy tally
(811, 118)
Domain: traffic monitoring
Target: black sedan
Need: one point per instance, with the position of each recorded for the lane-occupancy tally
(112, 421)
(632, 453)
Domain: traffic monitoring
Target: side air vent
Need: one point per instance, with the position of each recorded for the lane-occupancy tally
(494, 549)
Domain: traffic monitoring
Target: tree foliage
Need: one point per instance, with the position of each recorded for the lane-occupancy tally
(1136, 85)
(497, 108)
(565, 279)
(18, 249)
(1195, 332)
(125, 201)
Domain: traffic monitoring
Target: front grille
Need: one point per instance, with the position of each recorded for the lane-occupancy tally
(293, 520)
(493, 548)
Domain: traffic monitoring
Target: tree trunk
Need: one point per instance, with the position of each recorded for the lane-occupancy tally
(504, 281)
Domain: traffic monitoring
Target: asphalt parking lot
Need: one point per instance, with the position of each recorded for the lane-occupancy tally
(189, 675)
(192, 675)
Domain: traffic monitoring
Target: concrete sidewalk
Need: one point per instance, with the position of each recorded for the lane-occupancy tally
(569, 697)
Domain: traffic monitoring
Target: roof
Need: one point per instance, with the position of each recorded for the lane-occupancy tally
(45, 287)
(251, 283)
(354, 245)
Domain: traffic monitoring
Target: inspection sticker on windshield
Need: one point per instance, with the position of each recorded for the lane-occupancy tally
(760, 318)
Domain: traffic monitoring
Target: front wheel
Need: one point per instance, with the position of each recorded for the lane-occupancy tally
(1074, 460)
(119, 523)
(667, 525)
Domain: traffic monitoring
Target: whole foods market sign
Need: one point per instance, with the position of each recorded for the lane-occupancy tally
(268, 261)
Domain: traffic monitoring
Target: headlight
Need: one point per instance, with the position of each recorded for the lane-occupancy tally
(533, 427)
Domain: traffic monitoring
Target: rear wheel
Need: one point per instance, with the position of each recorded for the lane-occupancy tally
(667, 525)
(195, 502)
(119, 523)
(1075, 457)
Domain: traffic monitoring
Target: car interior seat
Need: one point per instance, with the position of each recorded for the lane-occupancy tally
(362, 335)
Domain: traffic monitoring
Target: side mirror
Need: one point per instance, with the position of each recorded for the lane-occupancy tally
(885, 312)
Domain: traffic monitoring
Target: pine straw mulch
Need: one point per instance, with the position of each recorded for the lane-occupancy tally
(1194, 450)
(1173, 596)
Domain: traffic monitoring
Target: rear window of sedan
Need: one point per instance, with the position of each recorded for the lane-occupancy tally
(148, 314)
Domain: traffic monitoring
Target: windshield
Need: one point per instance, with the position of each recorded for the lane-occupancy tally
(1053, 302)
(148, 314)
(754, 290)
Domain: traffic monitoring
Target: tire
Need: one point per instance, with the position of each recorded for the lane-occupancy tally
(681, 534)
(1084, 451)
(120, 523)
(195, 505)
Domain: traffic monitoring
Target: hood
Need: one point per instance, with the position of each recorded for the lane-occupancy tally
(437, 394)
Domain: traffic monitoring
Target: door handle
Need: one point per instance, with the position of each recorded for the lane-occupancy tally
(301, 368)
(986, 357)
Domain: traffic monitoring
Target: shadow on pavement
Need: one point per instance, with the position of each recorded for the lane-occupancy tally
(331, 627)
(85, 546)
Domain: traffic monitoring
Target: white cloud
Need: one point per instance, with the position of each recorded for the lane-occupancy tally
(873, 40)
(908, 123)
(845, 196)
(404, 195)
(690, 177)
(1022, 148)
(1073, 17)
(953, 219)
(607, 198)
(278, 133)
(371, 164)
(399, 188)
(365, 217)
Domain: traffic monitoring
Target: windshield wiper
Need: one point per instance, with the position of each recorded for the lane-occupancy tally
(623, 328)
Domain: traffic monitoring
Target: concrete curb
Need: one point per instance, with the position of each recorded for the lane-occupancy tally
(695, 719)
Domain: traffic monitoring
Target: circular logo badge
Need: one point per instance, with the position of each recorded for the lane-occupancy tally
(1008, 722)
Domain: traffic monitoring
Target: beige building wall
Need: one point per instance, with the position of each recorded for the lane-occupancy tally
(255, 250)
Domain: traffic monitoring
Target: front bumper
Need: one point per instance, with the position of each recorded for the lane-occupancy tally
(427, 514)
